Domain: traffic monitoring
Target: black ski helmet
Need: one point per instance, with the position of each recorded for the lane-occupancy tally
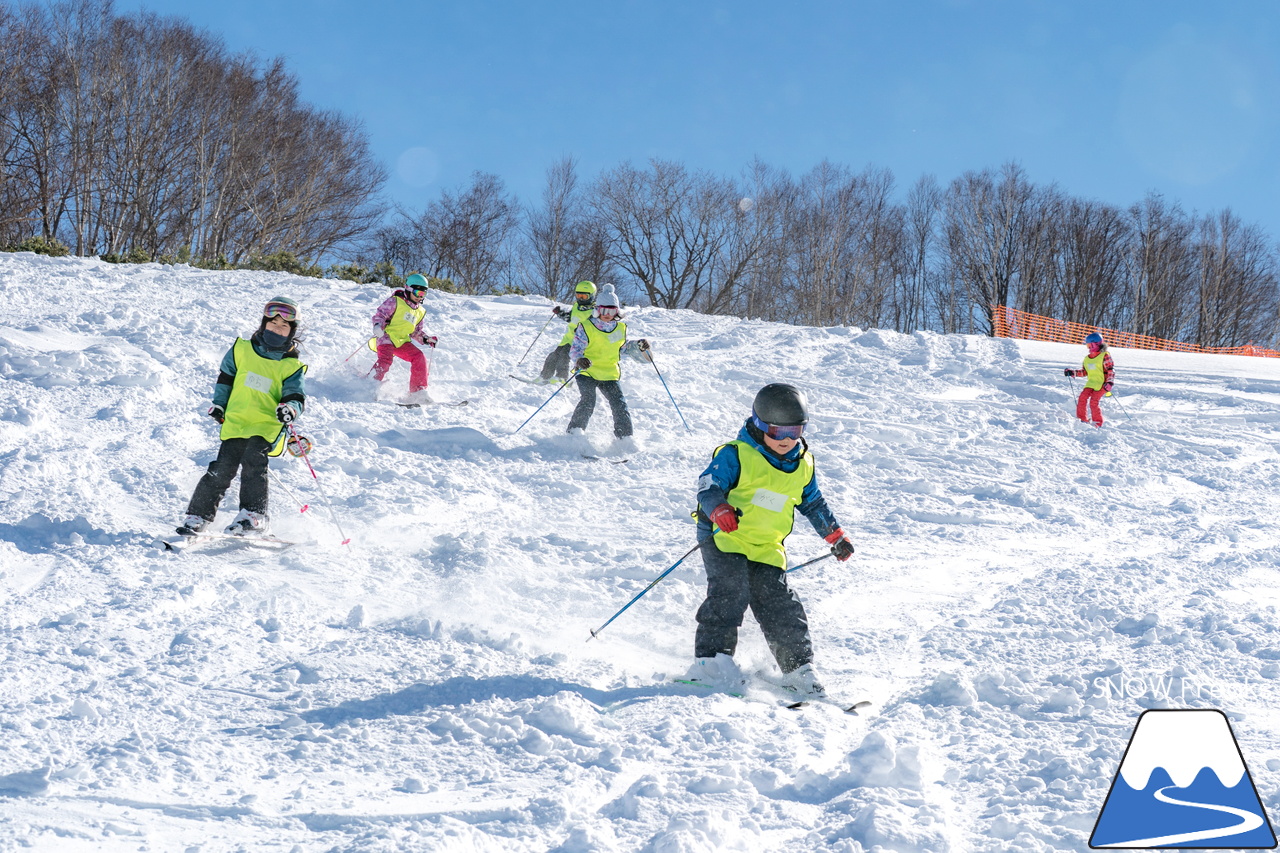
(780, 404)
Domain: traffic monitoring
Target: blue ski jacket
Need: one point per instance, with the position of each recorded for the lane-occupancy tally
(722, 475)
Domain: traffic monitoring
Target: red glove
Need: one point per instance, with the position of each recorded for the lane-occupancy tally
(1106, 386)
(840, 544)
(725, 517)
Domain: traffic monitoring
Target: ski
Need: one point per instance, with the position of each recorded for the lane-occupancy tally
(708, 687)
(534, 381)
(176, 543)
(449, 403)
(603, 459)
(855, 709)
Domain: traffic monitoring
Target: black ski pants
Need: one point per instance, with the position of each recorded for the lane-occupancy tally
(557, 363)
(735, 583)
(249, 456)
(612, 392)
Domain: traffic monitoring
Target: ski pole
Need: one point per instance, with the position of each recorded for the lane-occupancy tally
(549, 399)
(1116, 397)
(302, 507)
(830, 553)
(323, 493)
(535, 338)
(664, 385)
(368, 343)
(651, 585)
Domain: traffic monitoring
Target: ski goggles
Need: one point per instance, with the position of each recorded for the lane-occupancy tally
(779, 432)
(417, 289)
(277, 309)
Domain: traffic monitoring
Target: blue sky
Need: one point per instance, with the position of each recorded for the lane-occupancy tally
(1109, 100)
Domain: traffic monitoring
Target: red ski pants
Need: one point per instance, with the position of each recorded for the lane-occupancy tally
(418, 367)
(1090, 398)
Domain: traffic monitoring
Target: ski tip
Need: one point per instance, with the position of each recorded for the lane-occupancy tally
(857, 706)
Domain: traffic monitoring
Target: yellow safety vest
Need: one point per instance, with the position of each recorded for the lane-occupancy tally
(604, 349)
(255, 393)
(768, 498)
(576, 317)
(404, 322)
(1093, 368)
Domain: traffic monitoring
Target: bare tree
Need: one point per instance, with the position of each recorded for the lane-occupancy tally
(1094, 243)
(915, 285)
(466, 237)
(1161, 270)
(667, 228)
(1237, 283)
(759, 245)
(985, 219)
(563, 244)
(139, 132)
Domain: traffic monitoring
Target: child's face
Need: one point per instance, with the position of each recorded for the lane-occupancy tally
(279, 325)
(1094, 349)
(780, 446)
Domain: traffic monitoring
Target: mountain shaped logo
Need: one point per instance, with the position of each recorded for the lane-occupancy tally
(1183, 783)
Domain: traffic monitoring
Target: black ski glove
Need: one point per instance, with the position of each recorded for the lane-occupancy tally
(217, 413)
(285, 413)
(1067, 371)
(583, 363)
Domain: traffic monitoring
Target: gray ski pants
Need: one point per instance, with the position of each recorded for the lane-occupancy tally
(735, 583)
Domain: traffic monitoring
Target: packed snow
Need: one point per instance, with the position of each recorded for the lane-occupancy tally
(1024, 585)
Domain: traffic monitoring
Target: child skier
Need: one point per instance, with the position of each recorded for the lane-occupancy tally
(1099, 375)
(259, 391)
(598, 344)
(398, 322)
(749, 493)
(584, 302)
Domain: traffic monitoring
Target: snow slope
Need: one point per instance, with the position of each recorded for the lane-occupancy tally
(1024, 586)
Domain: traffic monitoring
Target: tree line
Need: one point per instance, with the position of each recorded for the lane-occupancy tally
(139, 135)
(837, 246)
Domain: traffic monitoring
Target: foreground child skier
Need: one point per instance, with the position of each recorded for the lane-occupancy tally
(750, 492)
(598, 346)
(1099, 375)
(398, 323)
(584, 302)
(259, 390)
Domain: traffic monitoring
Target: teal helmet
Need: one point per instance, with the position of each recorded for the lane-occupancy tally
(282, 307)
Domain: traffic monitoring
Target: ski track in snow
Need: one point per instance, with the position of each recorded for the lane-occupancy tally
(429, 687)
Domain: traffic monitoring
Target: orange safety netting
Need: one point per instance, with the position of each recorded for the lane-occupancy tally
(1012, 323)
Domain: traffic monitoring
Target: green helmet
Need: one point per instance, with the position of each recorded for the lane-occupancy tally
(586, 287)
(417, 281)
